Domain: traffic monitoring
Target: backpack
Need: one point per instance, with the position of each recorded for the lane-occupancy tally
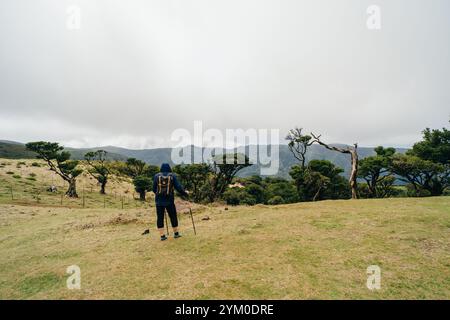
(165, 185)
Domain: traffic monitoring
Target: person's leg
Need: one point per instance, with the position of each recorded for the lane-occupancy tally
(172, 211)
(160, 219)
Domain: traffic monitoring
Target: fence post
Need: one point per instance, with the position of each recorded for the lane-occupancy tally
(84, 200)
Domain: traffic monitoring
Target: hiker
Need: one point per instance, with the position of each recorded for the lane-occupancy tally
(164, 184)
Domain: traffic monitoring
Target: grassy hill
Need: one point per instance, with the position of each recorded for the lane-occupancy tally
(302, 251)
(26, 182)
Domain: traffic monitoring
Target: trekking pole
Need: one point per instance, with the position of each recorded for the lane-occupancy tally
(192, 219)
(167, 225)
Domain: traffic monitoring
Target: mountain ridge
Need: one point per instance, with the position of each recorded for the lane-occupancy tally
(156, 156)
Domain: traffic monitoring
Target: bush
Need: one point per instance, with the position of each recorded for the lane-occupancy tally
(232, 197)
(10, 172)
(32, 174)
(249, 200)
(35, 164)
(21, 163)
(17, 176)
(275, 200)
(281, 189)
(411, 192)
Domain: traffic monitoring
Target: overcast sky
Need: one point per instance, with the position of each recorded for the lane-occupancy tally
(136, 70)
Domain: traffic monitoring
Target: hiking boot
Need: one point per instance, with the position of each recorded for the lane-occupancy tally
(163, 238)
(177, 235)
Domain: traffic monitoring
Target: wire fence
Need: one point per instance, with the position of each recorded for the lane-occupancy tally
(88, 197)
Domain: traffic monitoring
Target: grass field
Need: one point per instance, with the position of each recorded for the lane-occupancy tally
(26, 182)
(301, 251)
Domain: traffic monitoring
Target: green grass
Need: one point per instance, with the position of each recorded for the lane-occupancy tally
(300, 251)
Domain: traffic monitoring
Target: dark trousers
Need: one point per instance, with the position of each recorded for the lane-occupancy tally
(171, 211)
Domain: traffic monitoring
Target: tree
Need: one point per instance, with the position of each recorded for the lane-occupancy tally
(59, 162)
(352, 151)
(142, 185)
(421, 174)
(142, 175)
(151, 170)
(134, 167)
(427, 165)
(320, 180)
(327, 177)
(435, 146)
(99, 167)
(194, 177)
(224, 168)
(298, 144)
(375, 169)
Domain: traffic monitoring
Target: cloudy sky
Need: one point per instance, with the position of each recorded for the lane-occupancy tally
(136, 70)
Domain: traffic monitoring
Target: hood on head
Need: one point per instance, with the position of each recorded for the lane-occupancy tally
(165, 167)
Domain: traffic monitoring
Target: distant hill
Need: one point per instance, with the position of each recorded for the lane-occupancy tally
(78, 154)
(17, 150)
(14, 150)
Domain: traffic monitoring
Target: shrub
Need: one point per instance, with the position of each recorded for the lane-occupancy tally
(17, 176)
(35, 164)
(32, 174)
(232, 197)
(411, 192)
(275, 200)
(10, 172)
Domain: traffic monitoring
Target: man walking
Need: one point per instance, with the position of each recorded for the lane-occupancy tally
(164, 184)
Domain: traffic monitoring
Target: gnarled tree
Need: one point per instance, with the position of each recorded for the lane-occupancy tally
(59, 162)
(298, 144)
(375, 171)
(134, 167)
(224, 167)
(99, 167)
(352, 151)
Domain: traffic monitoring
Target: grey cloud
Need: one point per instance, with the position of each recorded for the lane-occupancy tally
(136, 64)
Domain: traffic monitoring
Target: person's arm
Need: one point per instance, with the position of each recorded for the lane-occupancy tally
(178, 186)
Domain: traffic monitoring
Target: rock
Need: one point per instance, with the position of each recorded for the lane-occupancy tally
(52, 189)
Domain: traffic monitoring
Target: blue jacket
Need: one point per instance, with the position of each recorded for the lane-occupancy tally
(163, 199)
